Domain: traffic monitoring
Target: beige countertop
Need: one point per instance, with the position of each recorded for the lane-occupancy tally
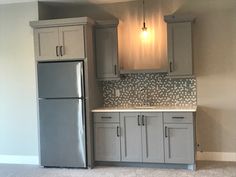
(148, 109)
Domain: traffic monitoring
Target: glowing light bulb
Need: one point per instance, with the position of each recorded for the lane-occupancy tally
(144, 28)
(144, 32)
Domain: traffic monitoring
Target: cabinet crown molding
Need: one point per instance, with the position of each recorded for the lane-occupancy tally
(107, 23)
(62, 22)
(178, 18)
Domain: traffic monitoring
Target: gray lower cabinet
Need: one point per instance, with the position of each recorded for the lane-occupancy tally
(107, 50)
(131, 142)
(152, 137)
(107, 137)
(179, 146)
(107, 141)
(142, 137)
(147, 137)
(179, 138)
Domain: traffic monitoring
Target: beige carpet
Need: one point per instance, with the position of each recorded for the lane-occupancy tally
(205, 169)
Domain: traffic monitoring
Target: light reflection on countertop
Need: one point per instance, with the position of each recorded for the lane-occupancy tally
(145, 108)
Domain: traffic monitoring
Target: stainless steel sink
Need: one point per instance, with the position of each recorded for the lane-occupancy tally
(145, 107)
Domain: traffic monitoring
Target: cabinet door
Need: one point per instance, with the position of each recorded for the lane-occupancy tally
(106, 53)
(71, 42)
(46, 43)
(62, 134)
(152, 137)
(107, 142)
(179, 143)
(180, 49)
(131, 145)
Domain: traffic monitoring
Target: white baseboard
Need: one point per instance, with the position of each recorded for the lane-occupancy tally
(34, 160)
(17, 159)
(217, 156)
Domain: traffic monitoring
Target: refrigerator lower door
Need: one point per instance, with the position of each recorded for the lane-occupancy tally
(60, 80)
(62, 133)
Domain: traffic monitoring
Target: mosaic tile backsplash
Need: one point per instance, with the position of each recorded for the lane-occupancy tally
(150, 89)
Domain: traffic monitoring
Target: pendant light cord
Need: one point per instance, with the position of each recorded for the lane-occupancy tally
(144, 24)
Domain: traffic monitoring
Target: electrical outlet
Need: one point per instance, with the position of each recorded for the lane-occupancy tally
(117, 93)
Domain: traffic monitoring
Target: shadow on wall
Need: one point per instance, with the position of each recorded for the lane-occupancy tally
(56, 10)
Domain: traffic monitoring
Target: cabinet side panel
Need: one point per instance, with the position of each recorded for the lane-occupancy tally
(93, 91)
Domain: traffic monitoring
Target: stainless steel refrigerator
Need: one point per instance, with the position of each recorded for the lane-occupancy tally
(62, 114)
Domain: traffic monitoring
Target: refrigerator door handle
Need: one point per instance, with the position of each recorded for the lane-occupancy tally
(81, 130)
(80, 80)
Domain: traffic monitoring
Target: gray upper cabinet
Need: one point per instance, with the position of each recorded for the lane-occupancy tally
(179, 46)
(46, 43)
(152, 137)
(131, 142)
(60, 39)
(107, 142)
(107, 50)
(71, 40)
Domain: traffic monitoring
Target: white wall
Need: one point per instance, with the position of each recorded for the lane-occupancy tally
(18, 113)
(215, 68)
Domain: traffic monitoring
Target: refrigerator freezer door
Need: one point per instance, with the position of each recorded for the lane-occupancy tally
(62, 133)
(60, 80)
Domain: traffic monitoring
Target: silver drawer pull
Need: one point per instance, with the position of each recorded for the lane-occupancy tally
(170, 67)
(143, 120)
(177, 117)
(61, 50)
(118, 131)
(106, 117)
(57, 51)
(166, 131)
(138, 120)
(115, 70)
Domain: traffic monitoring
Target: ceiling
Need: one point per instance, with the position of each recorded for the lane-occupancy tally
(65, 1)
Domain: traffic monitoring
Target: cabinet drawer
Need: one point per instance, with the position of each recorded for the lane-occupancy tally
(178, 117)
(106, 117)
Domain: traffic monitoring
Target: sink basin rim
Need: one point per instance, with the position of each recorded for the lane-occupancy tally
(145, 107)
